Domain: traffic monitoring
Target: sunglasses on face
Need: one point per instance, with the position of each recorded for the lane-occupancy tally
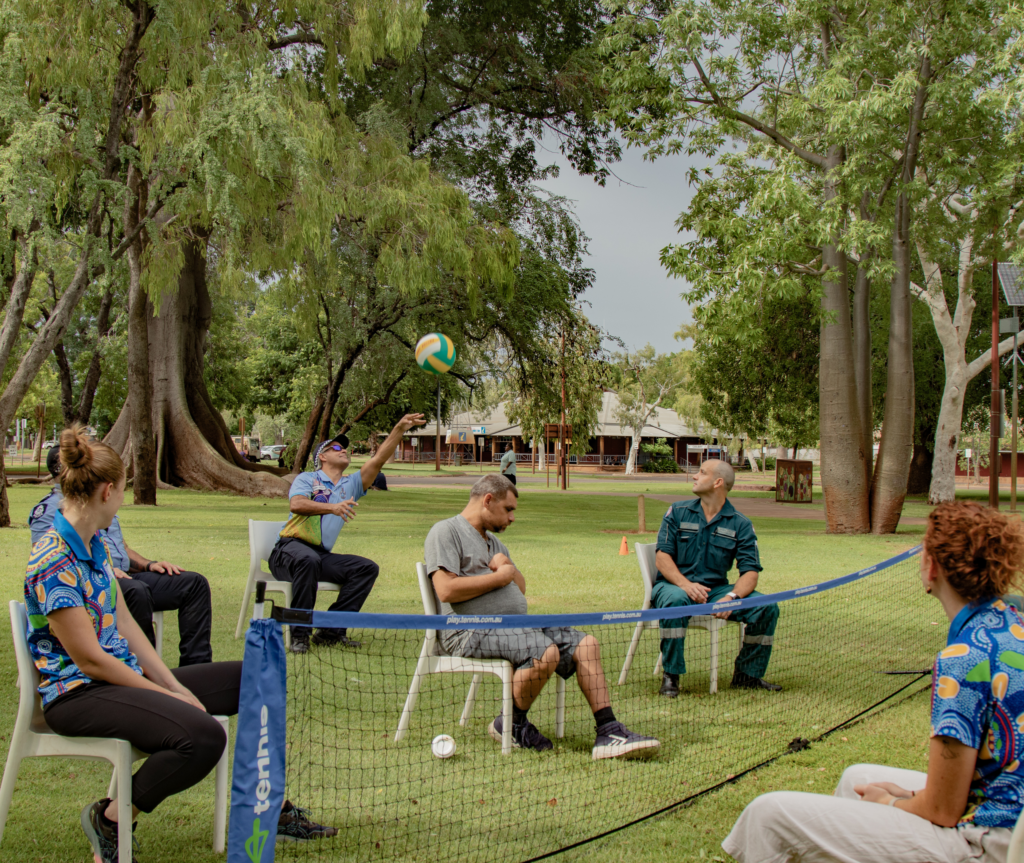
(337, 447)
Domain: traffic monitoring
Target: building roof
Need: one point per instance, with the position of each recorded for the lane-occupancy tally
(664, 423)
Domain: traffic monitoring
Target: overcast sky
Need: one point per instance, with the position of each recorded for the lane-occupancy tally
(629, 221)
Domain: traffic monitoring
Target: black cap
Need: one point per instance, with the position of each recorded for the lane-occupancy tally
(340, 438)
(53, 460)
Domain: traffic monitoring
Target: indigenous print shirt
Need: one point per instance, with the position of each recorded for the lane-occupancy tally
(62, 574)
(978, 699)
(318, 486)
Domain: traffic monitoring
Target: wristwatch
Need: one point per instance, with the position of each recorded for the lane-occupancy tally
(732, 595)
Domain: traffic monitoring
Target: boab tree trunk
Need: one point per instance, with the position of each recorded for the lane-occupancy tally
(192, 445)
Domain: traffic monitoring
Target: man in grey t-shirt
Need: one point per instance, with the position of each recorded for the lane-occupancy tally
(473, 573)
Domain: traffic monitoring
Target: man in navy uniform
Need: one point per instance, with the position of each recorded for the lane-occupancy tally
(697, 544)
(154, 585)
(321, 501)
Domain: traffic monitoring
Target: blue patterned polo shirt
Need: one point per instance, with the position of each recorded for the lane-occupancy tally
(62, 574)
(978, 699)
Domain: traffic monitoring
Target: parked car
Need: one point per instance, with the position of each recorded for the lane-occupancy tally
(272, 452)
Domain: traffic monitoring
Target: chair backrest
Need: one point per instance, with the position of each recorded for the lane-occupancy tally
(262, 539)
(30, 706)
(646, 553)
(431, 604)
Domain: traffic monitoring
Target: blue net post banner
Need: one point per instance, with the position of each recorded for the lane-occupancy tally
(257, 786)
(362, 754)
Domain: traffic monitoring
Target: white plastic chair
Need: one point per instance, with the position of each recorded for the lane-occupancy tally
(262, 539)
(433, 661)
(32, 738)
(645, 555)
(1015, 851)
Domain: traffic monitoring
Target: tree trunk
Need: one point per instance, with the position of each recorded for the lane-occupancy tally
(634, 448)
(193, 444)
(67, 395)
(139, 395)
(844, 474)
(92, 376)
(305, 446)
(862, 360)
(920, 470)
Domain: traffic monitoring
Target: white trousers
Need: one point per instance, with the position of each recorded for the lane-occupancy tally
(789, 826)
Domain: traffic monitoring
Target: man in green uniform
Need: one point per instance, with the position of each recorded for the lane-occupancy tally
(697, 544)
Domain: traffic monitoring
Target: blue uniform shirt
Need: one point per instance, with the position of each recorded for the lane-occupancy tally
(62, 573)
(350, 486)
(978, 699)
(40, 520)
(705, 552)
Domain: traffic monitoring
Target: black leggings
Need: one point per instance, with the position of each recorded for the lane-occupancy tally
(184, 744)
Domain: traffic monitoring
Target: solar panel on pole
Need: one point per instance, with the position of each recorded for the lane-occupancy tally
(1011, 279)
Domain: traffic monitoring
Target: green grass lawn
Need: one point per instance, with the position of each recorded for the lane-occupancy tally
(568, 548)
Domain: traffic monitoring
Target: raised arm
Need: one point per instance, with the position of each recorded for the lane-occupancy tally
(368, 472)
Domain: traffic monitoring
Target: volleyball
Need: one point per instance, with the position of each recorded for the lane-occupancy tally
(435, 353)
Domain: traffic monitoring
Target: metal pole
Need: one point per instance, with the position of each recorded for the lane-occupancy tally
(1013, 429)
(561, 428)
(993, 422)
(437, 439)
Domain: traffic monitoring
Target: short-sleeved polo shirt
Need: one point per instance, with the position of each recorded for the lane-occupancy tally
(350, 486)
(40, 520)
(62, 573)
(704, 552)
(978, 699)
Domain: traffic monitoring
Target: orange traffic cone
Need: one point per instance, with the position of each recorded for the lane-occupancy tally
(623, 549)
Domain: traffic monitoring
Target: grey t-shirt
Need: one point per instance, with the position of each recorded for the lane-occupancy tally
(455, 545)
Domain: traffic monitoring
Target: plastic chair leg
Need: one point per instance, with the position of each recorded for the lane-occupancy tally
(410, 701)
(10, 779)
(470, 700)
(246, 596)
(123, 770)
(506, 709)
(559, 707)
(220, 800)
(631, 652)
(657, 666)
(713, 632)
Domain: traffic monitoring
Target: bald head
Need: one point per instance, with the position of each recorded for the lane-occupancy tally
(723, 470)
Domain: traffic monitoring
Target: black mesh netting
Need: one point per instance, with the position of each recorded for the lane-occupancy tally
(837, 653)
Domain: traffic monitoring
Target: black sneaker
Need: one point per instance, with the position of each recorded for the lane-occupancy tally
(525, 736)
(330, 637)
(669, 685)
(295, 825)
(299, 641)
(102, 835)
(614, 740)
(745, 681)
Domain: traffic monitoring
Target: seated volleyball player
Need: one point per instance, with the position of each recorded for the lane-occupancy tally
(967, 804)
(100, 676)
(321, 501)
(473, 573)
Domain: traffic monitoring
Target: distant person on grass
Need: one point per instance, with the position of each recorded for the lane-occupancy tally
(473, 573)
(322, 500)
(965, 807)
(697, 544)
(100, 676)
(508, 465)
(147, 585)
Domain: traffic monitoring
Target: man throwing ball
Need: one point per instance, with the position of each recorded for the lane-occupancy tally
(697, 544)
(473, 573)
(321, 502)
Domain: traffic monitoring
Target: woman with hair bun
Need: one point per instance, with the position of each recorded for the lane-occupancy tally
(966, 805)
(99, 675)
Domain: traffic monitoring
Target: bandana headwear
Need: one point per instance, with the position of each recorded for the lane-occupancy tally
(341, 438)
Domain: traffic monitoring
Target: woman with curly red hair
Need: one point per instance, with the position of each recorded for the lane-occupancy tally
(966, 805)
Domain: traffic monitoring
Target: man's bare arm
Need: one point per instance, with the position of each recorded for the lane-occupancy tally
(451, 588)
(301, 505)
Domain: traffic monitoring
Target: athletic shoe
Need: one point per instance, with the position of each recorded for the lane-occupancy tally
(525, 736)
(745, 681)
(102, 835)
(330, 637)
(614, 740)
(669, 685)
(299, 641)
(295, 825)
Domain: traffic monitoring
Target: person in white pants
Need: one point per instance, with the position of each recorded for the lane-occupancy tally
(965, 807)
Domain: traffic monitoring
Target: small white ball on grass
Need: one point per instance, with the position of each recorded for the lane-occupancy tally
(443, 746)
